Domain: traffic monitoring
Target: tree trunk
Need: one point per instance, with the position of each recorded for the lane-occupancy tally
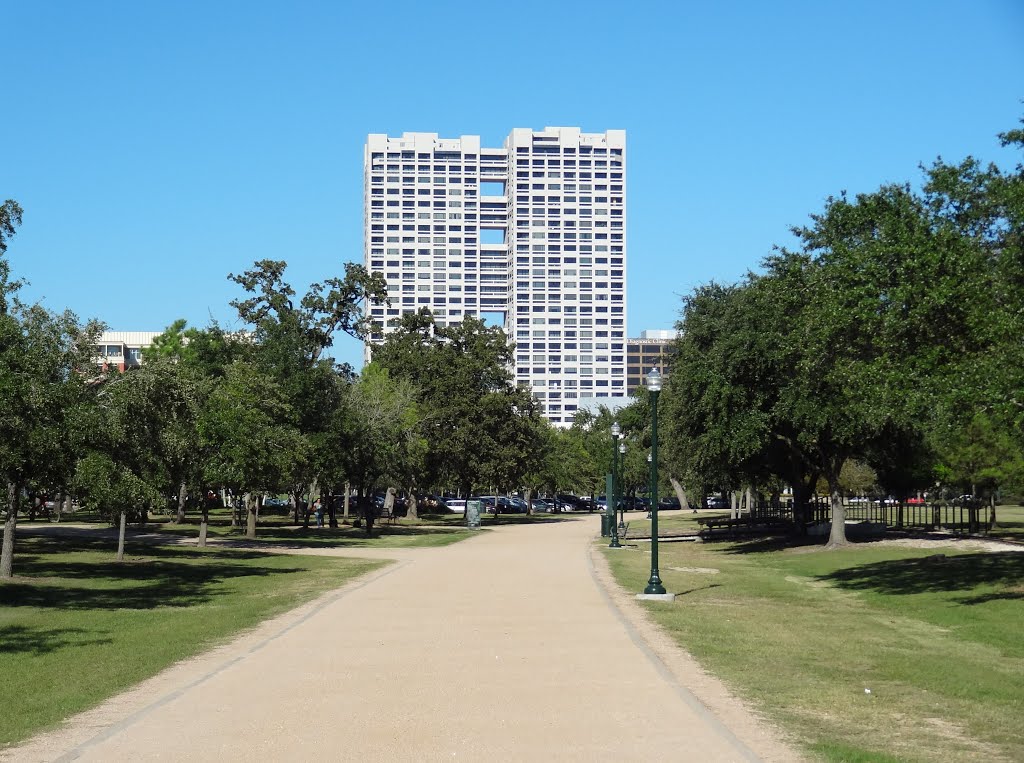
(251, 507)
(348, 491)
(181, 504)
(992, 512)
(529, 502)
(232, 505)
(314, 493)
(837, 536)
(7, 554)
(413, 511)
(750, 500)
(67, 505)
(801, 494)
(734, 503)
(677, 488)
(466, 488)
(204, 523)
(120, 536)
(368, 509)
(332, 511)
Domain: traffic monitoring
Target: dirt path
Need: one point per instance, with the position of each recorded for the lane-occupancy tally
(503, 647)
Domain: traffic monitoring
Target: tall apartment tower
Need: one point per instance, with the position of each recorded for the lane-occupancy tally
(531, 236)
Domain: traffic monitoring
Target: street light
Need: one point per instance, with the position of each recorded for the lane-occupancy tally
(610, 511)
(654, 585)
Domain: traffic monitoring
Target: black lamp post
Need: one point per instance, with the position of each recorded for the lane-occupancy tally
(650, 489)
(611, 497)
(620, 501)
(654, 585)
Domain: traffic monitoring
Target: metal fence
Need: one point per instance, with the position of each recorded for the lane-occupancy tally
(967, 517)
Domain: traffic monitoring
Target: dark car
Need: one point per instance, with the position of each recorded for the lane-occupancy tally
(575, 502)
(667, 504)
(717, 502)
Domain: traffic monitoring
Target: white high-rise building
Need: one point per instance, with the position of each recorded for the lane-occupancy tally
(531, 235)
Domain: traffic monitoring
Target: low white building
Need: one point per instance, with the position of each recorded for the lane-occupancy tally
(123, 349)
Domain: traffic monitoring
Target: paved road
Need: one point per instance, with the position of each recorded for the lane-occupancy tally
(503, 647)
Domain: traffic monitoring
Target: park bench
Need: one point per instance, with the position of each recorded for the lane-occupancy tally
(386, 514)
(742, 525)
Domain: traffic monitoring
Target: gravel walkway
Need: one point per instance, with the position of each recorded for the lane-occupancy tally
(505, 647)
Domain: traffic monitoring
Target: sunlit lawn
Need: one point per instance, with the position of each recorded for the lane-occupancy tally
(802, 633)
(77, 627)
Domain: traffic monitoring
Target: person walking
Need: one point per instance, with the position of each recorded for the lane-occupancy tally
(318, 507)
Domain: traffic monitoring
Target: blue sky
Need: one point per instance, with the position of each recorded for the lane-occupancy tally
(156, 147)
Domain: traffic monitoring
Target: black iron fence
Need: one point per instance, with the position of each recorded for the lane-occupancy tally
(964, 517)
(958, 517)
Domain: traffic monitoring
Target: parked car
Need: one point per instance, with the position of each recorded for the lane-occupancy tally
(455, 505)
(717, 502)
(576, 502)
(666, 504)
(518, 505)
(504, 504)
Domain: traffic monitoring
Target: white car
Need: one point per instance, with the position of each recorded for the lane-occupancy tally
(458, 505)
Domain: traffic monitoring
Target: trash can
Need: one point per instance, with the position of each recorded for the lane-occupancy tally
(606, 525)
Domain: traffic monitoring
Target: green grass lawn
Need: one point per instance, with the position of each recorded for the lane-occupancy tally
(1009, 523)
(802, 632)
(670, 522)
(277, 528)
(77, 627)
(383, 536)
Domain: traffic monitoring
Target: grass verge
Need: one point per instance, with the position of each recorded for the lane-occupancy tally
(802, 633)
(76, 627)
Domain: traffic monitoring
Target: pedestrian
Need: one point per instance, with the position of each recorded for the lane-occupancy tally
(319, 508)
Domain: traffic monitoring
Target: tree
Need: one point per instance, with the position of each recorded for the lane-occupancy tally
(377, 435)
(565, 465)
(44, 358)
(143, 431)
(245, 429)
(481, 428)
(289, 340)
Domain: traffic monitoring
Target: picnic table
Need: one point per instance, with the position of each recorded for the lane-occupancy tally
(741, 525)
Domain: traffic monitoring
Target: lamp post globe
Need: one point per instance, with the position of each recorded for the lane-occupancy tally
(654, 585)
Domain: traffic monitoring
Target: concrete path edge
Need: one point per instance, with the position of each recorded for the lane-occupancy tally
(731, 718)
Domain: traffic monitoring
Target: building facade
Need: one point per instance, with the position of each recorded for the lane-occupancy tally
(531, 236)
(653, 349)
(123, 349)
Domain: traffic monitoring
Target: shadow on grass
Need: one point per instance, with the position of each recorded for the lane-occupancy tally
(488, 520)
(37, 641)
(699, 588)
(156, 577)
(938, 573)
(769, 543)
(331, 537)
